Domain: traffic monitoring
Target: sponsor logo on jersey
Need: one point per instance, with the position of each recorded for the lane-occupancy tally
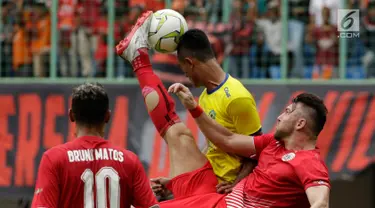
(212, 114)
(226, 90)
(288, 157)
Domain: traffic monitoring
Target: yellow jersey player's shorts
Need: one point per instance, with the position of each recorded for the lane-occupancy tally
(232, 106)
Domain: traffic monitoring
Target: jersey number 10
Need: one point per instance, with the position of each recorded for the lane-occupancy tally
(101, 195)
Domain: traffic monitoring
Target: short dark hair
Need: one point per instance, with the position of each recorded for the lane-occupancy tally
(194, 43)
(89, 104)
(319, 110)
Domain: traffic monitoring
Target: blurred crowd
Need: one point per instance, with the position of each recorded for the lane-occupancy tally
(250, 40)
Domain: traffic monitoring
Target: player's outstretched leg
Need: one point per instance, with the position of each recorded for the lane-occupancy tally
(185, 156)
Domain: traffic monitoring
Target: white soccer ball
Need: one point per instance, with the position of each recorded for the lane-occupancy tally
(167, 26)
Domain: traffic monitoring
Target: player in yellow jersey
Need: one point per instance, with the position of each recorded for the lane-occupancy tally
(232, 106)
(226, 100)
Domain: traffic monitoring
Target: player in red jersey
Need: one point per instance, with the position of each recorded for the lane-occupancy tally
(89, 171)
(290, 172)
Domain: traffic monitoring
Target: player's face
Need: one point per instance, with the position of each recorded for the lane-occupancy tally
(188, 67)
(286, 122)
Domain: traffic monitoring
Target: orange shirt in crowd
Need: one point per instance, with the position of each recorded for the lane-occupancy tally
(21, 51)
(43, 39)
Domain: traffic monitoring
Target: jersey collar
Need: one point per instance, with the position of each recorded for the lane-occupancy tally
(218, 87)
(90, 138)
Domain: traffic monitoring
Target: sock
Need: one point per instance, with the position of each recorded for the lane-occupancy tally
(163, 115)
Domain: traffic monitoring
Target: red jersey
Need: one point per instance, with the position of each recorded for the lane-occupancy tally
(279, 180)
(90, 172)
(281, 177)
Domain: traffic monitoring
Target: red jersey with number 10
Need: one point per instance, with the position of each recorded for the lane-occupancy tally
(90, 172)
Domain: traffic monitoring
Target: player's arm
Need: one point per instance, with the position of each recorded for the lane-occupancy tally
(223, 138)
(318, 196)
(143, 197)
(47, 185)
(218, 135)
(313, 175)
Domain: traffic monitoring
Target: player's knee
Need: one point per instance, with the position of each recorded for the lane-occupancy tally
(151, 99)
(180, 131)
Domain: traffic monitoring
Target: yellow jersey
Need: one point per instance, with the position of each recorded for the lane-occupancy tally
(232, 106)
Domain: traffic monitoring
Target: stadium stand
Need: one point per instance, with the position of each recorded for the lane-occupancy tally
(251, 40)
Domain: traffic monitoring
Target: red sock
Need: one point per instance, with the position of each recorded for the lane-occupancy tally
(164, 115)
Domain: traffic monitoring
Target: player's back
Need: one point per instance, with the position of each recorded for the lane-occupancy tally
(222, 104)
(91, 172)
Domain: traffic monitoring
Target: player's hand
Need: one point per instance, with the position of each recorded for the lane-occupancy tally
(184, 94)
(159, 186)
(224, 187)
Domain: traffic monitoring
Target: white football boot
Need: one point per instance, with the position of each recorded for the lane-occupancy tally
(136, 39)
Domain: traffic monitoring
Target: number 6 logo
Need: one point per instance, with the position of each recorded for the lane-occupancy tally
(346, 19)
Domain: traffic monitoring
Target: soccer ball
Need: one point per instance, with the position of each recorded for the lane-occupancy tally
(167, 26)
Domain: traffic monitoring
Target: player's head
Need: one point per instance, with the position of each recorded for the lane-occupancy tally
(306, 114)
(193, 51)
(90, 105)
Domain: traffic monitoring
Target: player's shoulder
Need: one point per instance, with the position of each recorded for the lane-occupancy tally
(203, 95)
(58, 153)
(131, 160)
(129, 156)
(233, 89)
(58, 149)
(268, 137)
(203, 92)
(312, 155)
(266, 140)
(118, 148)
(307, 157)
